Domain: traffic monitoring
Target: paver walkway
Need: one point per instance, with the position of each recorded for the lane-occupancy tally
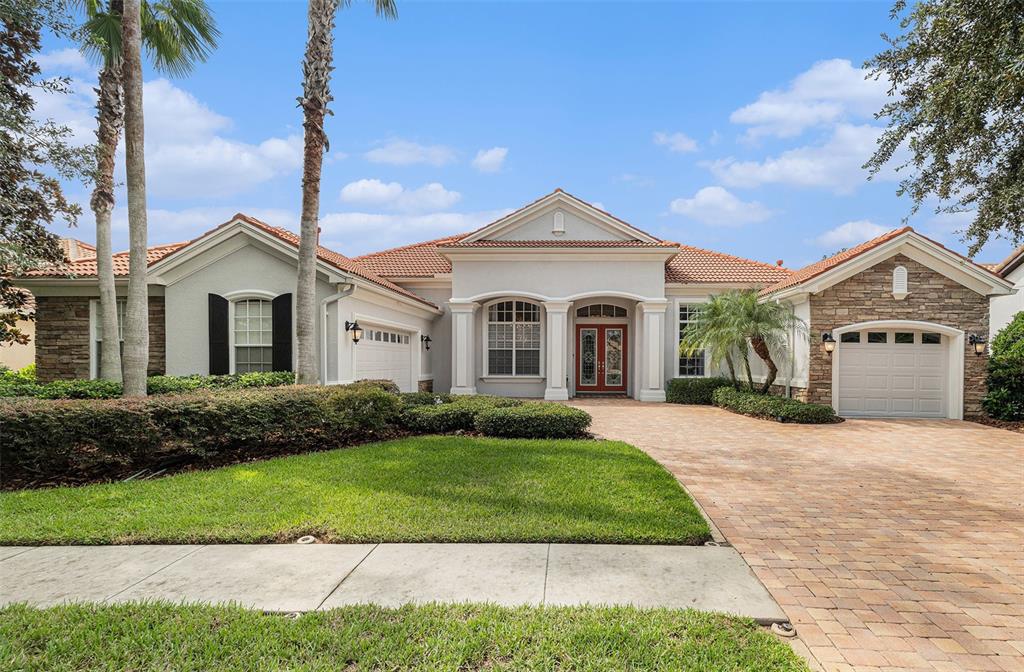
(293, 577)
(891, 544)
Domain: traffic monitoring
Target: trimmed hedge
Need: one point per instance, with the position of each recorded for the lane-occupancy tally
(43, 439)
(457, 415)
(1005, 381)
(410, 399)
(105, 389)
(780, 409)
(693, 390)
(534, 421)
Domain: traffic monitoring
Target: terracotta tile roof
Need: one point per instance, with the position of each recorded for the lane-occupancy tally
(819, 267)
(86, 266)
(694, 265)
(560, 243)
(419, 260)
(1011, 262)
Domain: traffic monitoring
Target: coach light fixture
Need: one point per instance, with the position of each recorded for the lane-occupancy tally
(357, 331)
(979, 344)
(830, 343)
(425, 339)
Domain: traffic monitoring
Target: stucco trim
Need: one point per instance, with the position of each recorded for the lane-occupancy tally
(954, 368)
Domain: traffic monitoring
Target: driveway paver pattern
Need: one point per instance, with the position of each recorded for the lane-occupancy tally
(891, 544)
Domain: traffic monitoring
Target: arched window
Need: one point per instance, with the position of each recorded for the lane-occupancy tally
(254, 336)
(513, 339)
(601, 310)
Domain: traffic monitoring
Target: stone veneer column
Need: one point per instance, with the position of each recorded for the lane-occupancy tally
(463, 347)
(651, 355)
(555, 367)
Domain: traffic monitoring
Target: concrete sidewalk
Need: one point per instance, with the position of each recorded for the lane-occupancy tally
(292, 577)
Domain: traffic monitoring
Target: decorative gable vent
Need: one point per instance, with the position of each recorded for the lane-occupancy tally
(899, 283)
(558, 227)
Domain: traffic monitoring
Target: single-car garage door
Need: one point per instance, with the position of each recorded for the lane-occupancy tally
(385, 354)
(892, 373)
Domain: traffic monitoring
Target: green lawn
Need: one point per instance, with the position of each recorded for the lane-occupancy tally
(161, 637)
(434, 488)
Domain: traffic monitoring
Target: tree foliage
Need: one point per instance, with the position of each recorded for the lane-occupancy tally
(957, 106)
(34, 156)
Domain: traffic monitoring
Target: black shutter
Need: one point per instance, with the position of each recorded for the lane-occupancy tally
(220, 362)
(282, 312)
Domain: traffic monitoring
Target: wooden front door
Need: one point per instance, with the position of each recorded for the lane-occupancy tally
(601, 358)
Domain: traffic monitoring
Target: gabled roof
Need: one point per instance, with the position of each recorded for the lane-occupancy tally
(695, 265)
(1015, 260)
(828, 264)
(558, 243)
(559, 195)
(418, 260)
(87, 267)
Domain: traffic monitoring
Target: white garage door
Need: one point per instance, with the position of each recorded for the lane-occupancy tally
(385, 354)
(892, 373)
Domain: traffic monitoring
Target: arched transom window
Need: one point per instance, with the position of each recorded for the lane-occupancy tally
(601, 310)
(513, 339)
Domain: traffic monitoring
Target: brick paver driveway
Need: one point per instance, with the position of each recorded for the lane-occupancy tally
(889, 543)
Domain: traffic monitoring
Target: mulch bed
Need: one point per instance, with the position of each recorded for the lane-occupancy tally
(1011, 425)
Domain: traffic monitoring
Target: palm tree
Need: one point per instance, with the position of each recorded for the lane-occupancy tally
(316, 95)
(731, 322)
(176, 34)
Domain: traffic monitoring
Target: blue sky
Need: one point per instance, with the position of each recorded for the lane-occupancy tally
(740, 127)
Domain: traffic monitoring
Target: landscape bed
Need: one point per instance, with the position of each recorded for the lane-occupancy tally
(150, 637)
(420, 489)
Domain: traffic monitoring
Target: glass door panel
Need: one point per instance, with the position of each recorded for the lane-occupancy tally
(613, 357)
(588, 357)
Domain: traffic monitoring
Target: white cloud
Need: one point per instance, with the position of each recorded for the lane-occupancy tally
(392, 195)
(835, 164)
(64, 62)
(718, 207)
(850, 234)
(187, 152)
(355, 233)
(173, 226)
(676, 142)
(400, 152)
(490, 160)
(829, 92)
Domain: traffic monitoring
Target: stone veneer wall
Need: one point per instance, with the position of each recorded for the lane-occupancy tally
(426, 385)
(62, 337)
(868, 296)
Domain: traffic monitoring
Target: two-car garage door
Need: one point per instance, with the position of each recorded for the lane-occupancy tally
(892, 373)
(385, 354)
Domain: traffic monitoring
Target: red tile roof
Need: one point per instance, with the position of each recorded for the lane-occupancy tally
(419, 260)
(86, 266)
(694, 265)
(1015, 259)
(560, 243)
(819, 267)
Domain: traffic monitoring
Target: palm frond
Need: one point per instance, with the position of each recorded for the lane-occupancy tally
(177, 34)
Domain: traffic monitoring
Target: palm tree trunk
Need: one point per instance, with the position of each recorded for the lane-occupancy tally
(316, 94)
(136, 327)
(761, 348)
(732, 371)
(110, 119)
(746, 368)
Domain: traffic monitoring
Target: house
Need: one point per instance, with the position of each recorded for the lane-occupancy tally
(554, 300)
(1004, 307)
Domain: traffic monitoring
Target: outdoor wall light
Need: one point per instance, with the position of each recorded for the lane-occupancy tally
(978, 342)
(830, 343)
(425, 340)
(357, 331)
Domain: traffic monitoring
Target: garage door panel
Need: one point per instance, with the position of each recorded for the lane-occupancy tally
(385, 355)
(892, 379)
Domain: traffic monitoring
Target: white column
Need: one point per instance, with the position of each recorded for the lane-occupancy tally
(652, 350)
(555, 362)
(463, 347)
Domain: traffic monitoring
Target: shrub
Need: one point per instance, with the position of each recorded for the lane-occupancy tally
(20, 383)
(410, 399)
(42, 439)
(388, 386)
(534, 421)
(1005, 381)
(772, 407)
(11, 386)
(80, 389)
(457, 415)
(693, 390)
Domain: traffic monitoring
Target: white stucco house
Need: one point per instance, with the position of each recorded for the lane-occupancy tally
(554, 300)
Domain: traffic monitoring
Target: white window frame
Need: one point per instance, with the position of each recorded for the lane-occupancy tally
(679, 303)
(248, 295)
(94, 328)
(542, 315)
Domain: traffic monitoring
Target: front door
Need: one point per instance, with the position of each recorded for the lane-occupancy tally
(600, 358)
